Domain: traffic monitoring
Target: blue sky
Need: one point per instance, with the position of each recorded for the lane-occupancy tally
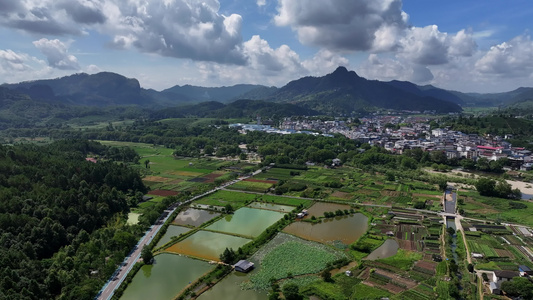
(470, 46)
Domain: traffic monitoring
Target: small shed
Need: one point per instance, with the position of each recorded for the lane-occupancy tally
(348, 273)
(244, 266)
(389, 233)
(300, 215)
(525, 270)
(494, 288)
(304, 211)
(477, 255)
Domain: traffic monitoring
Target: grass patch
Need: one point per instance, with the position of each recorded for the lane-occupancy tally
(364, 292)
(404, 259)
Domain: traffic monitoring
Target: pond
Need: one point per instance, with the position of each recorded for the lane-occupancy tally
(230, 289)
(272, 206)
(165, 278)
(319, 208)
(171, 231)
(247, 221)
(387, 249)
(194, 217)
(207, 245)
(346, 229)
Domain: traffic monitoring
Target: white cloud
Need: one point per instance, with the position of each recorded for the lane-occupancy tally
(429, 46)
(12, 61)
(343, 25)
(93, 69)
(261, 3)
(56, 53)
(180, 28)
(513, 58)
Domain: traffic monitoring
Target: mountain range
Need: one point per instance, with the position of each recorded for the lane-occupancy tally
(341, 92)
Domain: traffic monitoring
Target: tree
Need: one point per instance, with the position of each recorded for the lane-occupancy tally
(485, 186)
(326, 275)
(146, 163)
(228, 208)
(292, 292)
(518, 286)
(468, 164)
(147, 255)
(471, 268)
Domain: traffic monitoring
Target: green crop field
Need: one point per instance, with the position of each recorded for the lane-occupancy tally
(240, 199)
(404, 259)
(250, 186)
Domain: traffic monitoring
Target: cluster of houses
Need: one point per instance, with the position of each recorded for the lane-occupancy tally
(500, 276)
(400, 133)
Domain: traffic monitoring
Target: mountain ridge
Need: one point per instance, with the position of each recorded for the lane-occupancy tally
(340, 92)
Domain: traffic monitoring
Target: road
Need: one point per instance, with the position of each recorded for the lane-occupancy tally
(122, 271)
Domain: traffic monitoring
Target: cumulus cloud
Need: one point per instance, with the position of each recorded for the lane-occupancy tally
(513, 58)
(179, 28)
(344, 25)
(56, 53)
(12, 61)
(261, 2)
(428, 46)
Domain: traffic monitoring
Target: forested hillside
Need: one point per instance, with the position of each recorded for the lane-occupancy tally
(59, 231)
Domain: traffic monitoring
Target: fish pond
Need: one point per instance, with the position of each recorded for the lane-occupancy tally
(249, 222)
(272, 206)
(165, 278)
(207, 245)
(387, 249)
(230, 289)
(171, 231)
(346, 229)
(194, 217)
(318, 209)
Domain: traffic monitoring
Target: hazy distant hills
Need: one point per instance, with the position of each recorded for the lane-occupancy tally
(341, 92)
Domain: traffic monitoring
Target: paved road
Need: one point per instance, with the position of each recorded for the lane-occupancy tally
(122, 271)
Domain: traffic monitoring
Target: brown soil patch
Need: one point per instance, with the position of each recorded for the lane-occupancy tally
(164, 193)
(262, 181)
(392, 288)
(390, 193)
(504, 253)
(186, 173)
(407, 245)
(156, 179)
(210, 178)
(175, 181)
(427, 265)
(397, 278)
(342, 195)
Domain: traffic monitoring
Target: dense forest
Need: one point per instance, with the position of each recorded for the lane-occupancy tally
(61, 234)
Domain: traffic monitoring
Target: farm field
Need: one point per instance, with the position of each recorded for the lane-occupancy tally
(240, 199)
